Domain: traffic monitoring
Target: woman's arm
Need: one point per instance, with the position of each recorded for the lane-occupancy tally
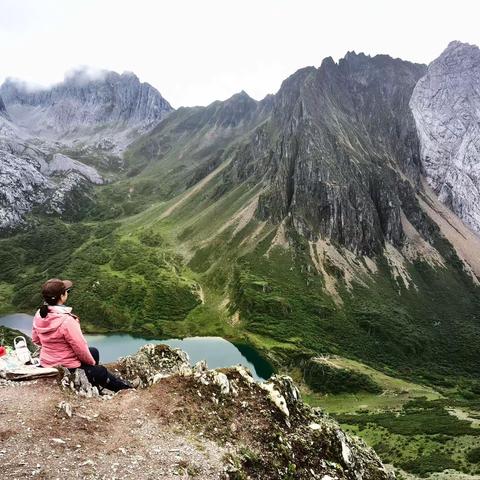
(35, 337)
(74, 336)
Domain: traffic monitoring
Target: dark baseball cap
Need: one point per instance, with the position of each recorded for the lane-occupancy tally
(55, 287)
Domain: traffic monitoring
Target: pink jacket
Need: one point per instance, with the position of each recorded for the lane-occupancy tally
(61, 339)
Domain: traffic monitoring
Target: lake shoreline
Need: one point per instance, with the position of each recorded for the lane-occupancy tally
(218, 351)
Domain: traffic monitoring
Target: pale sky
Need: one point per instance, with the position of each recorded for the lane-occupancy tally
(198, 51)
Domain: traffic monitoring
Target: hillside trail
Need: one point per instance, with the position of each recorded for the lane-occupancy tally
(132, 436)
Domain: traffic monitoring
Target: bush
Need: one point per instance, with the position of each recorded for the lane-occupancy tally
(104, 229)
(434, 462)
(28, 296)
(473, 456)
(97, 254)
(434, 421)
(324, 378)
(151, 238)
(126, 254)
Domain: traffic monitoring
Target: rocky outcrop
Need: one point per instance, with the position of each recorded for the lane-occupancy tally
(21, 187)
(289, 436)
(152, 363)
(29, 178)
(446, 106)
(3, 110)
(61, 164)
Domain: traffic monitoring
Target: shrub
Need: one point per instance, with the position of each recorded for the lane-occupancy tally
(321, 377)
(473, 456)
(435, 421)
(434, 462)
(96, 254)
(104, 229)
(126, 254)
(151, 238)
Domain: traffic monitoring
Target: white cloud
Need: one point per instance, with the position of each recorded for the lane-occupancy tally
(197, 51)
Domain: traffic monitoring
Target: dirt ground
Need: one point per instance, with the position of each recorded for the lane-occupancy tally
(198, 423)
(132, 436)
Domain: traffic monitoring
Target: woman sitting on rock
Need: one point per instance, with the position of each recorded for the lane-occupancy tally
(58, 333)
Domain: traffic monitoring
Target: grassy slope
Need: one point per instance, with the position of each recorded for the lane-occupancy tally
(409, 424)
(396, 392)
(150, 267)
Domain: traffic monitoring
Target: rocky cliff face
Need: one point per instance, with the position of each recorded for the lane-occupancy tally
(83, 105)
(21, 187)
(338, 152)
(3, 109)
(31, 174)
(335, 151)
(446, 107)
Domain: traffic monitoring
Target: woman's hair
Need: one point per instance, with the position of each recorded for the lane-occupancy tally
(51, 293)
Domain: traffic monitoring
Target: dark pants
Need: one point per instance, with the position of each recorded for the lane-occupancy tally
(99, 376)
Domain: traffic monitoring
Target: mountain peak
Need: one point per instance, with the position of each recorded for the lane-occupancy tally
(327, 62)
(458, 44)
(448, 95)
(85, 75)
(86, 100)
(455, 53)
(354, 55)
(242, 95)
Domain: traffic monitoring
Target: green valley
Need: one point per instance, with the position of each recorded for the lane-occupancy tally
(301, 225)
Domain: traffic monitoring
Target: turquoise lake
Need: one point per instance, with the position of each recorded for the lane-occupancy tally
(217, 351)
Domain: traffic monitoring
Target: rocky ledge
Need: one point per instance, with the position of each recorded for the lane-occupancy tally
(180, 420)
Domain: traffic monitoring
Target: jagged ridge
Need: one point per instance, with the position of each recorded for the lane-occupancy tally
(82, 103)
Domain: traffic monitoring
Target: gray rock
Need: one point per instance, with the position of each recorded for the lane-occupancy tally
(104, 107)
(28, 179)
(61, 164)
(78, 383)
(152, 363)
(66, 408)
(21, 187)
(446, 107)
(3, 110)
(339, 144)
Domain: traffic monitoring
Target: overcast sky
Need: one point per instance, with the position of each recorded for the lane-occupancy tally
(197, 51)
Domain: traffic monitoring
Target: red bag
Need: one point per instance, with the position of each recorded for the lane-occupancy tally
(3, 351)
